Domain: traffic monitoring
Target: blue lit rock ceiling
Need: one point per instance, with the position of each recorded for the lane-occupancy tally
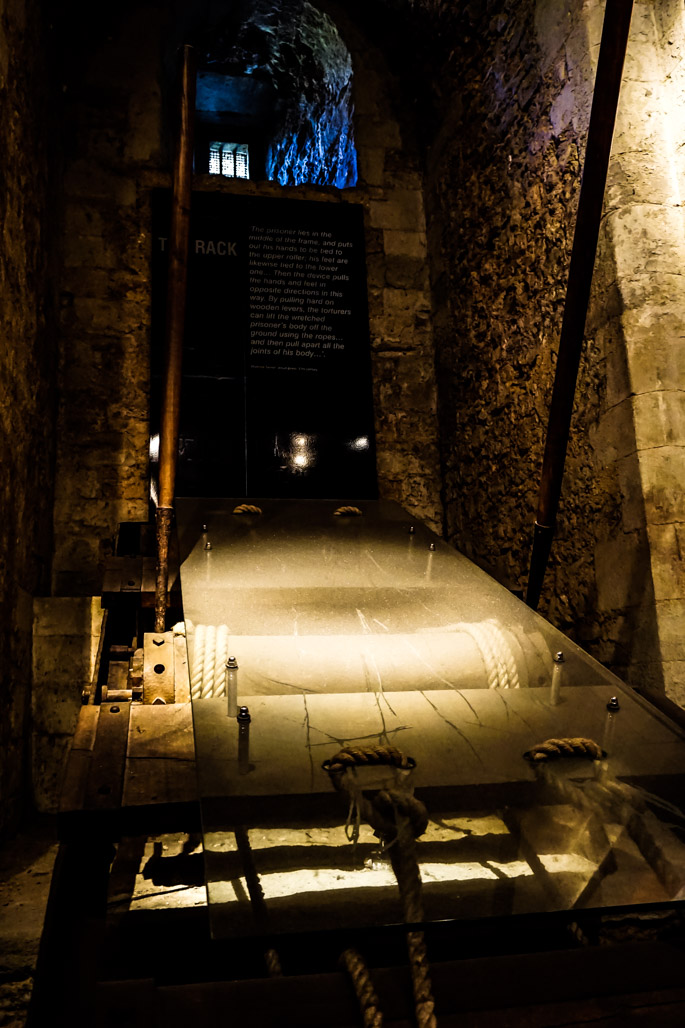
(285, 59)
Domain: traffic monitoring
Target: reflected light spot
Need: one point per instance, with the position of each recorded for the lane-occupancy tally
(154, 447)
(300, 460)
(360, 443)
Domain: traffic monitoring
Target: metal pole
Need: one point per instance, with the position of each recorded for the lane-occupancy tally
(175, 320)
(617, 14)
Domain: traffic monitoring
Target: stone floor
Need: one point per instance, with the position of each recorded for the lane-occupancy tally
(26, 864)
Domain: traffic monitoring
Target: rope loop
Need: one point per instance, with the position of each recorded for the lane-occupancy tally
(391, 802)
(553, 749)
(368, 756)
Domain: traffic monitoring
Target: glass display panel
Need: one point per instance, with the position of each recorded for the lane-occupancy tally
(341, 630)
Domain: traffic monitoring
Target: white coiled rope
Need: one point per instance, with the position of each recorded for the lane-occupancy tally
(500, 665)
(209, 655)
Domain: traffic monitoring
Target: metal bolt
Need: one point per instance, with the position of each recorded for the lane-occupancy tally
(431, 546)
(204, 528)
(613, 704)
(114, 710)
(208, 545)
(411, 530)
(244, 715)
(232, 663)
(559, 657)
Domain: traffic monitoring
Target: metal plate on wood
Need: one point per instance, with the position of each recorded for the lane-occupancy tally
(158, 667)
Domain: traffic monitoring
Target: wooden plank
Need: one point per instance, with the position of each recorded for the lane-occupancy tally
(158, 781)
(105, 781)
(78, 764)
(160, 766)
(158, 667)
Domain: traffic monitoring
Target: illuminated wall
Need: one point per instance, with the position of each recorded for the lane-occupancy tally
(293, 50)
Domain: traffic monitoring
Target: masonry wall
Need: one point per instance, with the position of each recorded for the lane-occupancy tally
(27, 365)
(517, 85)
(117, 117)
(643, 431)
(507, 116)
(509, 112)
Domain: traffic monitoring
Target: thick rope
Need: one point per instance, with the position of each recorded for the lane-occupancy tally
(365, 756)
(199, 638)
(504, 654)
(360, 977)
(273, 963)
(210, 653)
(402, 853)
(208, 666)
(398, 818)
(483, 644)
(553, 749)
(614, 801)
(347, 512)
(220, 663)
(500, 664)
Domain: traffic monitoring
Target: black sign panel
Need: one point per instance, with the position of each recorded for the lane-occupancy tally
(276, 376)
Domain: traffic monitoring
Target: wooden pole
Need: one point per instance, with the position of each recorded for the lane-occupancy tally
(612, 52)
(175, 320)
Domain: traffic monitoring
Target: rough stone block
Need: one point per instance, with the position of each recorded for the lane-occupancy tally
(634, 129)
(403, 210)
(667, 550)
(88, 251)
(65, 642)
(659, 418)
(655, 341)
(406, 273)
(663, 472)
(618, 386)
(623, 571)
(614, 437)
(404, 244)
(371, 165)
(674, 680)
(376, 132)
(671, 617)
(639, 177)
(648, 240)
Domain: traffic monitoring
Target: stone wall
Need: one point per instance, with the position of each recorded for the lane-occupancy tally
(643, 431)
(116, 116)
(507, 115)
(27, 363)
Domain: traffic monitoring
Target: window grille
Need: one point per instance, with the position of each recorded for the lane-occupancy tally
(229, 159)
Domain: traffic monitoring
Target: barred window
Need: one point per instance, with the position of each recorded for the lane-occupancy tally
(229, 159)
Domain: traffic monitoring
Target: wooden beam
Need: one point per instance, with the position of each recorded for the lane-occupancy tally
(175, 322)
